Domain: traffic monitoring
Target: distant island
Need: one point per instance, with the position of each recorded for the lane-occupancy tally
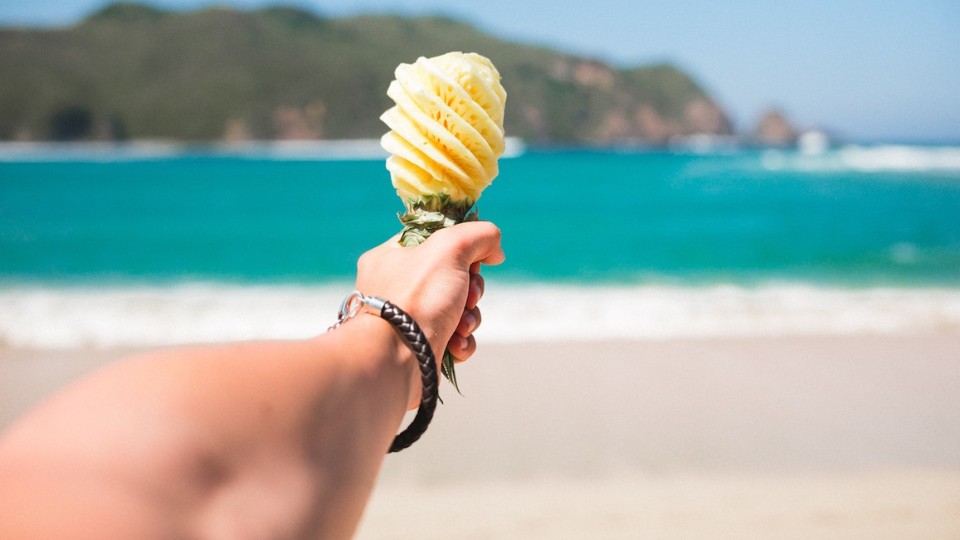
(133, 72)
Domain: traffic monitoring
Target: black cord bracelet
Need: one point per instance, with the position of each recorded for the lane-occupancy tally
(414, 337)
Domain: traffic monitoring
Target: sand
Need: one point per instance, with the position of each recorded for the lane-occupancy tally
(844, 437)
(802, 437)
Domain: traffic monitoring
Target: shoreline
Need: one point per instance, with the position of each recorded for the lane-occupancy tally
(105, 317)
(360, 149)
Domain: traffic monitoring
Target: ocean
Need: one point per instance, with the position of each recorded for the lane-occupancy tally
(150, 244)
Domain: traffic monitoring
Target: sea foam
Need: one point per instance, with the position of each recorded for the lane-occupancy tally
(866, 159)
(100, 318)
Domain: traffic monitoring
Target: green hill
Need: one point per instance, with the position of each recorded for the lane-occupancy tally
(131, 71)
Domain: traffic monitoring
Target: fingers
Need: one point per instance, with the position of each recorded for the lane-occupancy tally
(469, 322)
(462, 344)
(461, 347)
(474, 290)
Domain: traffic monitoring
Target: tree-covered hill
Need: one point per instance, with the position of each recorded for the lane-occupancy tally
(132, 71)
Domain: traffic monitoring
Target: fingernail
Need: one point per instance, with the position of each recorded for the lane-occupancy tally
(471, 321)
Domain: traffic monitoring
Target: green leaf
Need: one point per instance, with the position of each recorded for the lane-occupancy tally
(449, 371)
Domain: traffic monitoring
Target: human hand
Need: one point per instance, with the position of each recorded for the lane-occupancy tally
(438, 282)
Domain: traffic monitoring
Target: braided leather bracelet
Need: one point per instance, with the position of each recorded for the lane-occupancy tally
(413, 336)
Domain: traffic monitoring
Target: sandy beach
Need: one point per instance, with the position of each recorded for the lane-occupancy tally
(794, 437)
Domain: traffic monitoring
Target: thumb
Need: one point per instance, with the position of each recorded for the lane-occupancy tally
(471, 242)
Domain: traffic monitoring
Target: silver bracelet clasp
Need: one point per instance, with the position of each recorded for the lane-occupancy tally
(356, 302)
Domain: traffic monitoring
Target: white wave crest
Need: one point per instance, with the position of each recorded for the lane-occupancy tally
(75, 317)
(901, 158)
(659, 312)
(884, 158)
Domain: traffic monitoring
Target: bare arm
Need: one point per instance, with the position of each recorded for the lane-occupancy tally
(264, 439)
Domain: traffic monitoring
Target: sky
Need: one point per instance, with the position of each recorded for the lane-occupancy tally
(873, 71)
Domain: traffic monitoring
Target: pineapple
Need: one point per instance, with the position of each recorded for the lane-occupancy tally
(446, 135)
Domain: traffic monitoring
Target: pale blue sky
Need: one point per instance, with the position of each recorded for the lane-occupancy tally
(867, 70)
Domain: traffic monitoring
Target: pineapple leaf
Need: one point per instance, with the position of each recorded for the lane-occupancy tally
(449, 371)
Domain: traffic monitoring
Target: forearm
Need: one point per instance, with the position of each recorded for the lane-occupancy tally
(293, 431)
(268, 439)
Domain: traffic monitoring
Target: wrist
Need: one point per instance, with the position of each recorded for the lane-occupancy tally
(380, 352)
(412, 336)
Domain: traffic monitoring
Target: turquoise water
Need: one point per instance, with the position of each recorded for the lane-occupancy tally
(858, 216)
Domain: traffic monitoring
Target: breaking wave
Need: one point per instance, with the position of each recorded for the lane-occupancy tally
(73, 317)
